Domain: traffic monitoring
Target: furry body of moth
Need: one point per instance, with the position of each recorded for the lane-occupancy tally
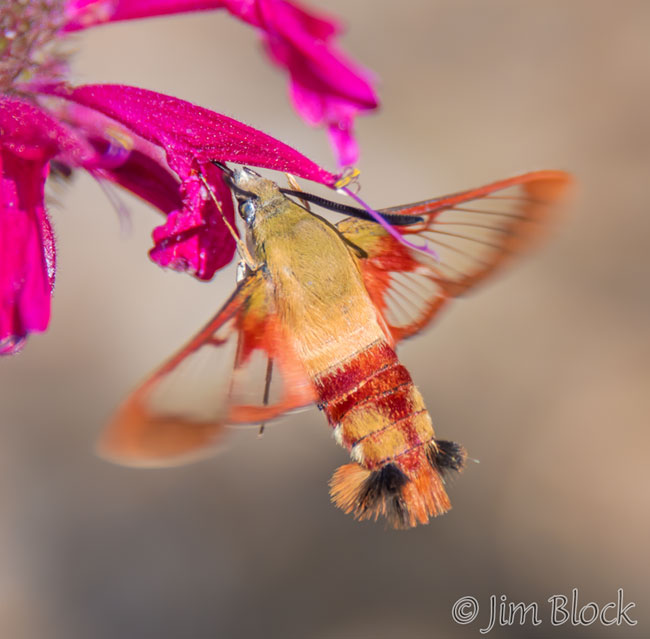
(347, 351)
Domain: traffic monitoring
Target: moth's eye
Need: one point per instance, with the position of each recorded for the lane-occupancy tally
(247, 210)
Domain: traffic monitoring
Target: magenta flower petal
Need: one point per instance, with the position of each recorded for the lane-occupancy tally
(30, 138)
(191, 134)
(144, 177)
(338, 114)
(327, 88)
(311, 57)
(26, 250)
(31, 133)
(342, 138)
(195, 238)
(122, 157)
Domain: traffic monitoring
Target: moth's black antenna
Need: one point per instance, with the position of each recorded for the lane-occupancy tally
(228, 180)
(393, 218)
(226, 169)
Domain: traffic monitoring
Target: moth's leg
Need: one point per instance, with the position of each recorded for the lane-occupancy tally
(267, 389)
(293, 183)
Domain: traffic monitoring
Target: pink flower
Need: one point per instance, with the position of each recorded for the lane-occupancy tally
(153, 145)
(30, 139)
(327, 89)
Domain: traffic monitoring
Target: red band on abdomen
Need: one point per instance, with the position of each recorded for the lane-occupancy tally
(340, 381)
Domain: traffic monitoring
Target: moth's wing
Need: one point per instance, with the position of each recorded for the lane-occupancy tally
(220, 377)
(474, 233)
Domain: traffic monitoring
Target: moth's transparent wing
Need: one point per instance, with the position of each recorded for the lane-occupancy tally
(240, 368)
(474, 233)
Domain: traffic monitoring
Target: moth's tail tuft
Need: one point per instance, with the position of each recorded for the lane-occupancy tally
(407, 491)
(446, 456)
(368, 494)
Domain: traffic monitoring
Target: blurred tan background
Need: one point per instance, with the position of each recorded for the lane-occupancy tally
(544, 375)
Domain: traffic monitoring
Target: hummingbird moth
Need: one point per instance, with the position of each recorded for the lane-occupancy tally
(316, 317)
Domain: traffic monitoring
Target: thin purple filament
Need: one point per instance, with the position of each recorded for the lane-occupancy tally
(389, 227)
